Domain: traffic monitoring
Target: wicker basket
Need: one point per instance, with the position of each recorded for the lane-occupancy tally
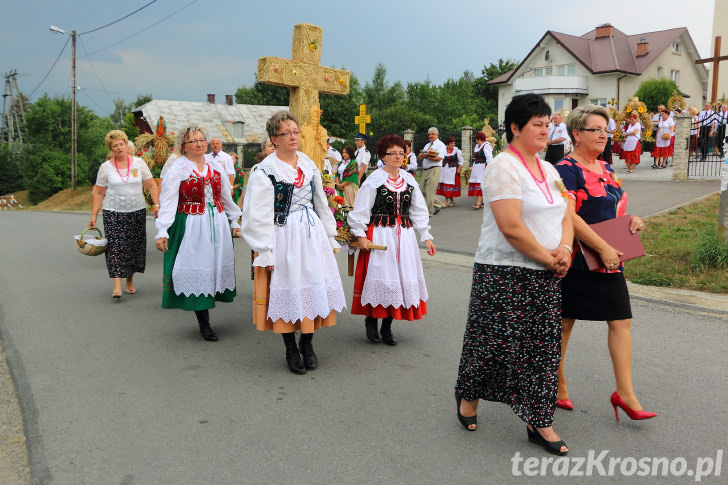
(666, 136)
(98, 246)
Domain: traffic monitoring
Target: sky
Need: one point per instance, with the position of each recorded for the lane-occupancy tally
(212, 46)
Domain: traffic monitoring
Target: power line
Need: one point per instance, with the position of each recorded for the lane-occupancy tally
(94, 101)
(144, 29)
(94, 71)
(119, 20)
(49, 70)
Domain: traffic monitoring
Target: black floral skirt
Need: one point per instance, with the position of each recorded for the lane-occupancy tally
(126, 251)
(512, 342)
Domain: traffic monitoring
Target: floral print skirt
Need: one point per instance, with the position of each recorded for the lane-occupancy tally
(512, 342)
(126, 251)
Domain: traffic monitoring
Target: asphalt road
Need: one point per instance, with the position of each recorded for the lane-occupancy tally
(129, 393)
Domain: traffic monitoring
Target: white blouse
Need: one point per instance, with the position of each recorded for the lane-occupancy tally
(360, 215)
(258, 211)
(507, 178)
(631, 142)
(123, 194)
(180, 170)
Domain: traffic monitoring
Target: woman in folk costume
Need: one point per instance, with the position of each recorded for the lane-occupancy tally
(388, 209)
(194, 231)
(449, 186)
(632, 147)
(482, 154)
(288, 223)
(348, 176)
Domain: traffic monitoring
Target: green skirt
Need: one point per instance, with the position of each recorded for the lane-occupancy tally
(169, 298)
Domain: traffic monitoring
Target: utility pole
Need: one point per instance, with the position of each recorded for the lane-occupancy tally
(74, 131)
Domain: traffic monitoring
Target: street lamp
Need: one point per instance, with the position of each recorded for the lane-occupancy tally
(74, 133)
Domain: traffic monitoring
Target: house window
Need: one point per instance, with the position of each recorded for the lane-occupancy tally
(548, 71)
(659, 72)
(238, 129)
(543, 71)
(599, 101)
(558, 105)
(676, 47)
(565, 70)
(675, 76)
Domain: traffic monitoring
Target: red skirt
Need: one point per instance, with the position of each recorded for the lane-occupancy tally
(450, 190)
(378, 311)
(663, 152)
(474, 190)
(632, 157)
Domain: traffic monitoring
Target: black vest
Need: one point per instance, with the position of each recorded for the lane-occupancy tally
(283, 193)
(385, 209)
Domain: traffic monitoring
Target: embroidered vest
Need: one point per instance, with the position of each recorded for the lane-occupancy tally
(192, 194)
(283, 193)
(450, 160)
(388, 206)
(479, 156)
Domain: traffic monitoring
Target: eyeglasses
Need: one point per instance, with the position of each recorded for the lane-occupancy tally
(288, 134)
(598, 131)
(196, 142)
(395, 154)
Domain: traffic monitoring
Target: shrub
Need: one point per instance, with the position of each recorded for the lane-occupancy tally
(710, 252)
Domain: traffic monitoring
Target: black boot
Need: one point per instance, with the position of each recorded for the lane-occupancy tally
(203, 318)
(293, 357)
(309, 357)
(372, 332)
(386, 332)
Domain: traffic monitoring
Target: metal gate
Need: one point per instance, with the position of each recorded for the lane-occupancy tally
(705, 157)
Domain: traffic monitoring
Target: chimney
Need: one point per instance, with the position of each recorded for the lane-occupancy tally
(229, 99)
(211, 98)
(642, 47)
(604, 30)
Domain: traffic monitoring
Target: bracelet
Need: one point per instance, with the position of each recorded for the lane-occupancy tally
(156, 205)
(568, 248)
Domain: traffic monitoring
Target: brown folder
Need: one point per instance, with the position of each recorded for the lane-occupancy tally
(616, 233)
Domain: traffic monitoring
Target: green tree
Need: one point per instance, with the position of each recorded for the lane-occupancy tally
(46, 157)
(11, 178)
(263, 94)
(339, 111)
(121, 109)
(398, 118)
(140, 100)
(487, 94)
(379, 94)
(654, 92)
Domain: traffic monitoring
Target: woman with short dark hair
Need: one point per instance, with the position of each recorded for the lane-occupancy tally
(389, 210)
(449, 186)
(513, 333)
(482, 154)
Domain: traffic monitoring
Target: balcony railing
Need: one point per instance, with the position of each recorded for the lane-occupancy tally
(551, 85)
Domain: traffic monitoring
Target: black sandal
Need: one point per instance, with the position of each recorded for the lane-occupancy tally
(553, 447)
(466, 421)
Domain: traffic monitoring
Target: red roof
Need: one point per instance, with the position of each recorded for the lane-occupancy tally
(617, 53)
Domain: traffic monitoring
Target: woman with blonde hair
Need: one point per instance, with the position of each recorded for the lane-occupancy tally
(118, 191)
(601, 294)
(194, 231)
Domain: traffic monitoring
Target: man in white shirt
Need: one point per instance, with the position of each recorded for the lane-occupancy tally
(333, 158)
(706, 122)
(722, 120)
(431, 156)
(362, 155)
(558, 135)
(223, 158)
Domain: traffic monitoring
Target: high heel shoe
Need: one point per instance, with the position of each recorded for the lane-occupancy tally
(466, 421)
(553, 447)
(565, 404)
(617, 400)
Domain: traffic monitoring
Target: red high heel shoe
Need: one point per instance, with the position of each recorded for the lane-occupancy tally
(617, 400)
(565, 404)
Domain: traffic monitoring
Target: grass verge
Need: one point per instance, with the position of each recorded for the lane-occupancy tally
(683, 250)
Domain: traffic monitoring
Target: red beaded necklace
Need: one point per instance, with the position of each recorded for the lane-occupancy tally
(546, 193)
(128, 169)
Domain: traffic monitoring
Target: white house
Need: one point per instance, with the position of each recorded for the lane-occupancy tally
(602, 64)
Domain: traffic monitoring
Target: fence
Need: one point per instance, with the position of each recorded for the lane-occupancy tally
(705, 148)
(9, 202)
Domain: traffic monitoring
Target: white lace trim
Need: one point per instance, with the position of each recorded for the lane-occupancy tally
(183, 167)
(292, 304)
(283, 172)
(393, 293)
(207, 282)
(379, 176)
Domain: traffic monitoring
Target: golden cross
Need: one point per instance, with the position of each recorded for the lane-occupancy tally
(716, 62)
(362, 119)
(303, 73)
